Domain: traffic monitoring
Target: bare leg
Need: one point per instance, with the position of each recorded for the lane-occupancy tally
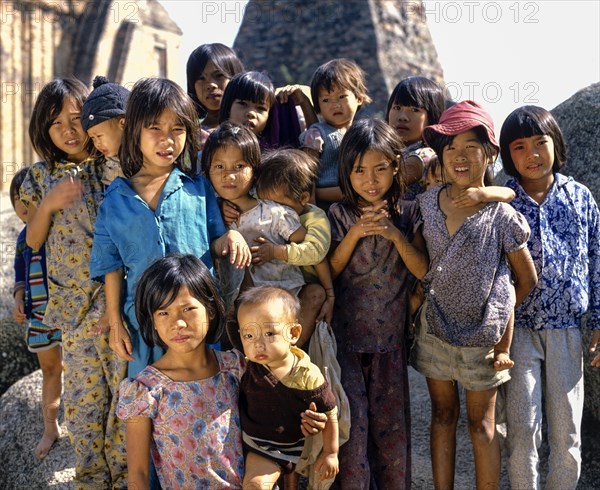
(51, 364)
(481, 406)
(502, 358)
(291, 480)
(445, 409)
(261, 473)
(312, 297)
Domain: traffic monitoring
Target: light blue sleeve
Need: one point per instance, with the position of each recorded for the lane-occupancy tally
(105, 253)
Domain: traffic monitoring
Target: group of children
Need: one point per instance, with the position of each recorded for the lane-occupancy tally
(138, 257)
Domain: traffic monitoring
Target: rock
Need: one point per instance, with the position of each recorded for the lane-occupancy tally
(20, 429)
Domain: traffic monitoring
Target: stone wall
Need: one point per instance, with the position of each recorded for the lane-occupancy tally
(289, 39)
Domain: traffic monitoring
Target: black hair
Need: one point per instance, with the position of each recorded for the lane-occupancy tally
(419, 92)
(47, 108)
(250, 85)
(223, 57)
(15, 184)
(370, 135)
(149, 98)
(229, 134)
(525, 122)
(159, 286)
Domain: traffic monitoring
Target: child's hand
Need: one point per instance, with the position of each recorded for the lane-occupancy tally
(64, 195)
(468, 197)
(327, 465)
(234, 245)
(19, 310)
(313, 141)
(293, 91)
(101, 327)
(312, 422)
(369, 221)
(230, 213)
(593, 345)
(264, 252)
(326, 311)
(119, 340)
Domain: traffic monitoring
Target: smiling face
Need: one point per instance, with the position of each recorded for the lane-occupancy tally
(465, 161)
(67, 134)
(162, 141)
(210, 86)
(533, 158)
(372, 177)
(253, 115)
(339, 106)
(408, 121)
(230, 175)
(182, 325)
(106, 136)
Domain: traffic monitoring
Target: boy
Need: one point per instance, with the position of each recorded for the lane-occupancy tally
(31, 294)
(103, 119)
(279, 381)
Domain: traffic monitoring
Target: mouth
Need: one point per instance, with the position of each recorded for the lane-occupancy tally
(372, 192)
(534, 166)
(72, 142)
(165, 154)
(460, 170)
(215, 96)
(260, 357)
(402, 128)
(180, 339)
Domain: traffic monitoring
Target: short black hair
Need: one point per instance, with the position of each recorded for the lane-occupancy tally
(159, 286)
(15, 184)
(419, 92)
(250, 85)
(525, 122)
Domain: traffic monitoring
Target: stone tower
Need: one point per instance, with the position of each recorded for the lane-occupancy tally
(289, 39)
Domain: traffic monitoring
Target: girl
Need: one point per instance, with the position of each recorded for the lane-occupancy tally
(565, 245)
(184, 408)
(372, 249)
(209, 69)
(463, 334)
(62, 195)
(338, 91)
(415, 103)
(158, 208)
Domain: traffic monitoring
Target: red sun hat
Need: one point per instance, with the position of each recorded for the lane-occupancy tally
(462, 117)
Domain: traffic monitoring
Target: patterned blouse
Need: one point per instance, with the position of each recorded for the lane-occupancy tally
(468, 288)
(565, 246)
(196, 433)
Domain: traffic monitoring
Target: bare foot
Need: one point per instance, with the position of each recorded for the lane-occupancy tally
(502, 361)
(46, 443)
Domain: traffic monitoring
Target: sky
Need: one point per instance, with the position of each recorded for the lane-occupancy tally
(503, 54)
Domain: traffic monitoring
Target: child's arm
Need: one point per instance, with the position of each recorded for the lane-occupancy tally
(19, 289)
(329, 194)
(324, 274)
(137, 437)
(524, 275)
(475, 195)
(300, 99)
(64, 195)
(232, 243)
(327, 464)
(19, 308)
(119, 341)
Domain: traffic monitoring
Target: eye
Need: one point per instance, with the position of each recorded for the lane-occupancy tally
(415, 109)
(263, 108)
(325, 100)
(240, 166)
(179, 129)
(241, 102)
(344, 96)
(190, 308)
(248, 336)
(358, 170)
(161, 313)
(269, 334)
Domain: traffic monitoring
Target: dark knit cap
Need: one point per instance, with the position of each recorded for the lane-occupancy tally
(106, 101)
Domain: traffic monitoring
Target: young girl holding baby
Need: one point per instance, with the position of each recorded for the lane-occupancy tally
(373, 247)
(464, 329)
(62, 195)
(158, 208)
(547, 348)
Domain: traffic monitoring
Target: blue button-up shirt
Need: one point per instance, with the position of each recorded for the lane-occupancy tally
(565, 246)
(129, 234)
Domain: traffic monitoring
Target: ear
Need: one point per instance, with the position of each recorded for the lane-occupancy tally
(121, 123)
(359, 100)
(294, 332)
(304, 198)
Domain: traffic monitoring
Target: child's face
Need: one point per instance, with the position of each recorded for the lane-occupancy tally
(20, 209)
(338, 107)
(162, 142)
(107, 136)
(465, 160)
(182, 325)
(433, 178)
(254, 115)
(267, 332)
(282, 197)
(230, 175)
(533, 157)
(210, 87)
(372, 177)
(67, 134)
(408, 121)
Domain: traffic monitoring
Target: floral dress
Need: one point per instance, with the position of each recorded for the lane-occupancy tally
(196, 434)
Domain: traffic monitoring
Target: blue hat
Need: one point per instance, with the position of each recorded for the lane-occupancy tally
(106, 101)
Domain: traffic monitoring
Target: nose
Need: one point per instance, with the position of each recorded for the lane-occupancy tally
(402, 115)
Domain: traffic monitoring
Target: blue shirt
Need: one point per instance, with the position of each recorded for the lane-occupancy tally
(129, 234)
(565, 246)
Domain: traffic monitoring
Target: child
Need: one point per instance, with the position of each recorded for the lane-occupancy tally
(31, 294)
(158, 208)
(464, 332)
(62, 195)
(103, 119)
(184, 408)
(338, 91)
(279, 381)
(547, 349)
(287, 177)
(372, 249)
(433, 176)
(415, 103)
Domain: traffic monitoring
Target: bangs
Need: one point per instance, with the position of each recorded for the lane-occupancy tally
(523, 125)
(256, 91)
(408, 95)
